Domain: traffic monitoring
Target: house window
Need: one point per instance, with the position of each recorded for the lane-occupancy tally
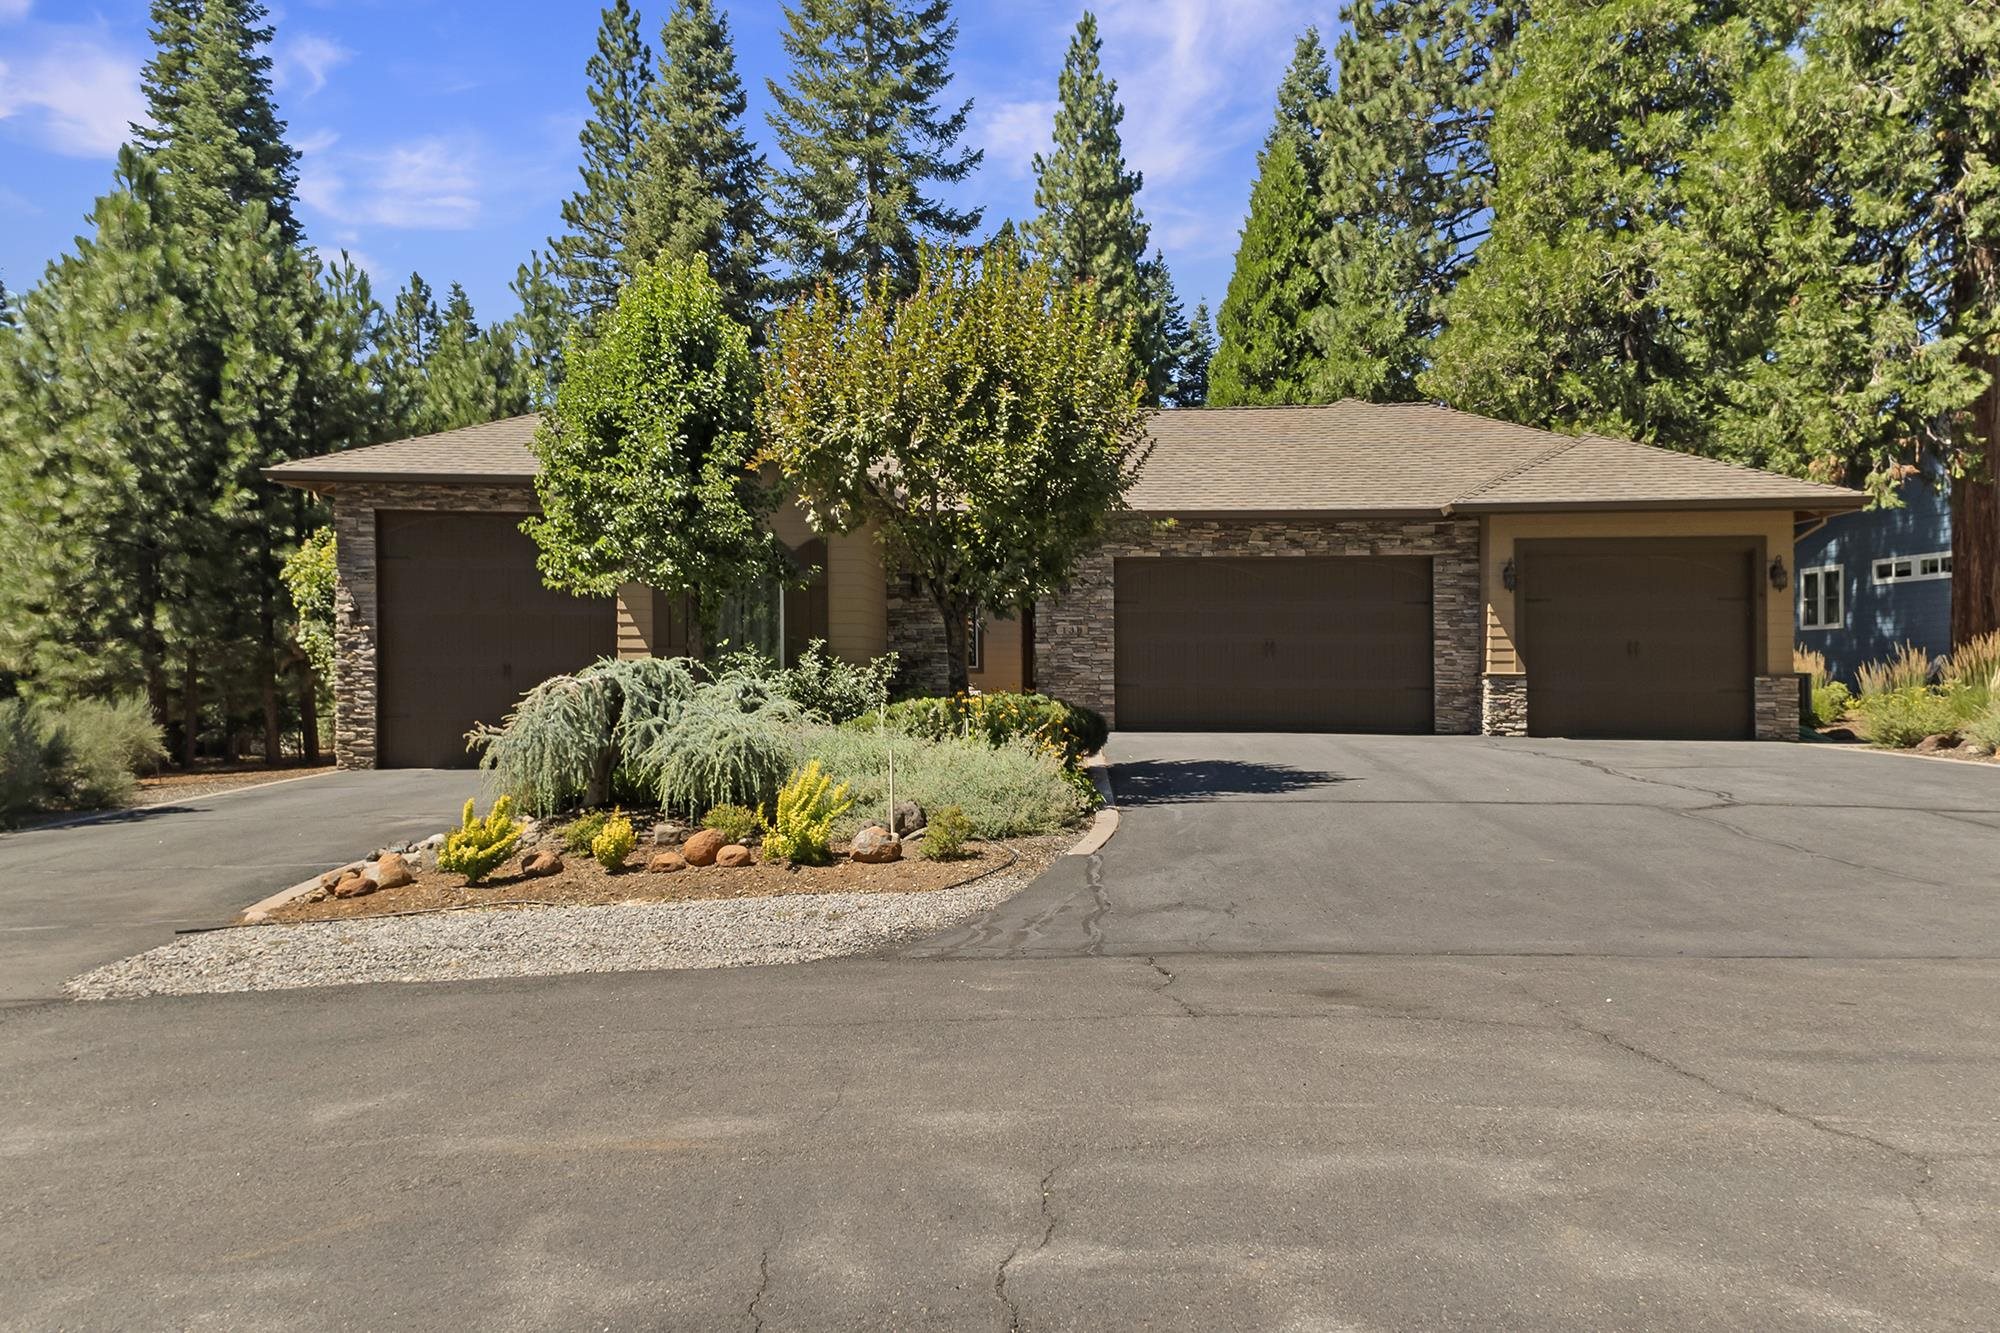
(1912, 568)
(1820, 598)
(975, 645)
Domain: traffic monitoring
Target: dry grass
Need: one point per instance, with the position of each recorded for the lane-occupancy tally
(1909, 669)
(1975, 662)
(1812, 662)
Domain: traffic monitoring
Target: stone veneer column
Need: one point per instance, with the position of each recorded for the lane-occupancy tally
(355, 613)
(916, 636)
(1503, 707)
(1075, 647)
(1777, 707)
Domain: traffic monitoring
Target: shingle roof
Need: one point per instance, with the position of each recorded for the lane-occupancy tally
(1345, 457)
(495, 453)
(1410, 458)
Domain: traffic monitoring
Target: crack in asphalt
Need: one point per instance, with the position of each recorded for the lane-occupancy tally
(763, 1281)
(1162, 988)
(1093, 923)
(1001, 1275)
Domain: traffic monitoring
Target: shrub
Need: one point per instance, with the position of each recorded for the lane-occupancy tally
(1010, 790)
(1829, 704)
(736, 823)
(614, 842)
(945, 834)
(715, 753)
(583, 830)
(78, 755)
(476, 847)
(802, 822)
(1069, 731)
(833, 690)
(1909, 669)
(1897, 719)
(1975, 662)
(1984, 730)
(1811, 662)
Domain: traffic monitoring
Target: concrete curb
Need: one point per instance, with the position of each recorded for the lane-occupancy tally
(259, 912)
(1105, 822)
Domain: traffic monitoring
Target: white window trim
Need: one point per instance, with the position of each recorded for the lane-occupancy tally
(1916, 565)
(1839, 581)
(975, 645)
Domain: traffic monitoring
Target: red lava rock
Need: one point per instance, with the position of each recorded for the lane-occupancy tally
(354, 886)
(392, 872)
(700, 850)
(735, 854)
(875, 845)
(666, 863)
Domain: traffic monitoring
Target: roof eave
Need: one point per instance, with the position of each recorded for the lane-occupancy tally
(1406, 511)
(1830, 503)
(326, 481)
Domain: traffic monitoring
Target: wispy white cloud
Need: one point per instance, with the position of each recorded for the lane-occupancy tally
(1012, 132)
(73, 90)
(14, 10)
(432, 183)
(304, 62)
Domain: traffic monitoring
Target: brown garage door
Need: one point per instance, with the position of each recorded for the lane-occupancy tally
(1274, 643)
(466, 627)
(1639, 638)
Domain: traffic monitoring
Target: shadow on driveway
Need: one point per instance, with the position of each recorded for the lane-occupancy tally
(1182, 781)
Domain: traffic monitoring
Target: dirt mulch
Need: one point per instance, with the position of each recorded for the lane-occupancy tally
(207, 780)
(583, 882)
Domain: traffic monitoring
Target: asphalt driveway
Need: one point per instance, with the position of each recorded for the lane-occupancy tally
(1462, 845)
(77, 895)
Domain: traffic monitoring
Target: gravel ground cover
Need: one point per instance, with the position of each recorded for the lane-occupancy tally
(549, 941)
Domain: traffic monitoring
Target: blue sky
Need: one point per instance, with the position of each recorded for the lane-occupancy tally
(440, 135)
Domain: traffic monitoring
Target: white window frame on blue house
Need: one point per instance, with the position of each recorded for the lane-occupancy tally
(1912, 568)
(1812, 604)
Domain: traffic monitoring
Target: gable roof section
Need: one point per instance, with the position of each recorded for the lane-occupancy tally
(1341, 458)
(1418, 458)
(495, 453)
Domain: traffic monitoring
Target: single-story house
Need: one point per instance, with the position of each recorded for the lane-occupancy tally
(1348, 567)
(1871, 582)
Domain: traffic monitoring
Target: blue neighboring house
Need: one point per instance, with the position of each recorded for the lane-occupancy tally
(1870, 581)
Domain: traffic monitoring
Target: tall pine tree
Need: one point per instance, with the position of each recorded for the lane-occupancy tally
(1405, 182)
(1267, 352)
(866, 141)
(591, 258)
(1191, 379)
(1565, 320)
(701, 188)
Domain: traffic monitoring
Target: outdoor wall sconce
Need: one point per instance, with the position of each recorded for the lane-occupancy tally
(1778, 575)
(1507, 575)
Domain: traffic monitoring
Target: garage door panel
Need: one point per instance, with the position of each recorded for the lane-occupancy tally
(466, 626)
(1277, 643)
(1639, 638)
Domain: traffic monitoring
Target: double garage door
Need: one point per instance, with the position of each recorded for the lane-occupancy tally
(1624, 638)
(465, 627)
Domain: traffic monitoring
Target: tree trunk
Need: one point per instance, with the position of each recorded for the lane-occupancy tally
(957, 643)
(190, 712)
(308, 713)
(1975, 496)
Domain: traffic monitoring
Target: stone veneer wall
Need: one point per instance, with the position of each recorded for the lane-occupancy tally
(1777, 707)
(1503, 706)
(355, 631)
(916, 636)
(1075, 651)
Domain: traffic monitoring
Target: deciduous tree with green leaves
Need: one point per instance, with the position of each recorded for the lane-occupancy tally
(867, 144)
(647, 455)
(987, 424)
(1268, 353)
(701, 189)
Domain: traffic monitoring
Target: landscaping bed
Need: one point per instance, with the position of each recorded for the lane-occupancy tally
(581, 881)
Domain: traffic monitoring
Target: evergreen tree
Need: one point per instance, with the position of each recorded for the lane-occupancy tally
(1565, 321)
(1089, 228)
(213, 129)
(1162, 331)
(403, 345)
(1405, 181)
(591, 258)
(1197, 352)
(701, 187)
(1268, 353)
(538, 331)
(866, 141)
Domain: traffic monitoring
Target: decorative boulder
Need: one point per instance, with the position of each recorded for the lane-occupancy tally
(541, 864)
(666, 863)
(908, 818)
(1932, 744)
(391, 872)
(670, 833)
(354, 886)
(735, 854)
(875, 845)
(700, 850)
